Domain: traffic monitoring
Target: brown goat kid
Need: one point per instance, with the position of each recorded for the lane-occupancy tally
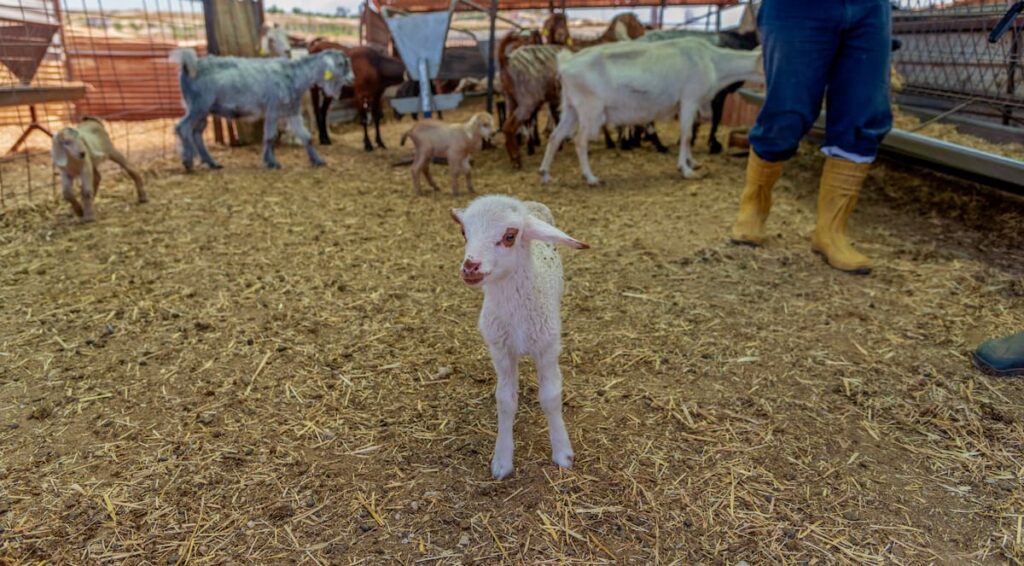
(77, 153)
(454, 142)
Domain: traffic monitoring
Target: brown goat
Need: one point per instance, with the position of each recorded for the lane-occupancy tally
(374, 73)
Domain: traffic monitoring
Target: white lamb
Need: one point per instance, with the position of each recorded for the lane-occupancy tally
(509, 253)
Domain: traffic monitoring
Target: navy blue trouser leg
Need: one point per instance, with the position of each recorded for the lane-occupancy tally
(809, 47)
(858, 115)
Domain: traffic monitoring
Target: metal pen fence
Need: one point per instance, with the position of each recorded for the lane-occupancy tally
(949, 65)
(64, 59)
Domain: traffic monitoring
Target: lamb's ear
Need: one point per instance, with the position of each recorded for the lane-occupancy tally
(57, 151)
(537, 229)
(457, 215)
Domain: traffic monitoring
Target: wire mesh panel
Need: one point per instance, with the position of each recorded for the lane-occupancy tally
(946, 55)
(92, 61)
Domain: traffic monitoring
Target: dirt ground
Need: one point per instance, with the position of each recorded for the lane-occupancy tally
(271, 367)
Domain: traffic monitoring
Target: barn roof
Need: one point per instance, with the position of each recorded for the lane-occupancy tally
(440, 5)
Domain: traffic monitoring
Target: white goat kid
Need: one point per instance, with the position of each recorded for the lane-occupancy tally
(636, 83)
(509, 254)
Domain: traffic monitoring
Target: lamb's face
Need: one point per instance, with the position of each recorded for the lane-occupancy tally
(67, 144)
(499, 231)
(484, 125)
(494, 242)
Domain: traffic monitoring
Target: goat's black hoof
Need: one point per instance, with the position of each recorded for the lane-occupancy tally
(368, 148)
(325, 141)
(381, 146)
(662, 149)
(188, 167)
(715, 148)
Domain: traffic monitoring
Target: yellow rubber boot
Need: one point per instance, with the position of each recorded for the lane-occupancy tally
(756, 200)
(841, 181)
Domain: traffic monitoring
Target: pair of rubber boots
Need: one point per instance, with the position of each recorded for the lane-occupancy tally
(841, 182)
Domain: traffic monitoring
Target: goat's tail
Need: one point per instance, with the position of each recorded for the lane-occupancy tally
(188, 59)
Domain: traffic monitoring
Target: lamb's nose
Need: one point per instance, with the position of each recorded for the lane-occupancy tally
(470, 266)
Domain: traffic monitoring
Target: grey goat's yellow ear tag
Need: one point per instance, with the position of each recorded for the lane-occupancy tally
(328, 75)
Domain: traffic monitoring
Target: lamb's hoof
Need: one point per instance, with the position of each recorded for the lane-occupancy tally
(563, 460)
(501, 469)
(593, 181)
(545, 178)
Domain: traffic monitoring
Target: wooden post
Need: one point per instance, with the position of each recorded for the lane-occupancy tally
(490, 57)
(232, 28)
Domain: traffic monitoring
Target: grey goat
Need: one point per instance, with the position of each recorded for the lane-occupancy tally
(236, 87)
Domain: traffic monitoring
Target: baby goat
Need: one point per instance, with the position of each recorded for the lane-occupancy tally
(509, 254)
(78, 152)
(456, 142)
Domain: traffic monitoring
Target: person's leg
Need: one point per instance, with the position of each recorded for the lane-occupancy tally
(858, 117)
(799, 45)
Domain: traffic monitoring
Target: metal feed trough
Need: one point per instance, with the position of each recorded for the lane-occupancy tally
(420, 39)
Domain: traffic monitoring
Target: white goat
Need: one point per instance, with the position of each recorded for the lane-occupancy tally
(509, 254)
(636, 83)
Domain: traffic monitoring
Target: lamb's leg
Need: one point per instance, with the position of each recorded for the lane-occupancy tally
(269, 133)
(197, 139)
(87, 193)
(565, 126)
(67, 189)
(687, 114)
(96, 178)
(506, 365)
(118, 158)
(298, 129)
(420, 163)
(455, 168)
(550, 392)
(469, 175)
(430, 178)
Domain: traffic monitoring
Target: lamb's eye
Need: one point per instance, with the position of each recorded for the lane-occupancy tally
(509, 238)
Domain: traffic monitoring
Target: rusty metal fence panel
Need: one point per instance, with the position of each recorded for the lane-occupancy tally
(946, 56)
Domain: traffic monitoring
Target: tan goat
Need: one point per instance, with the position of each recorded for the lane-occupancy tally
(455, 142)
(78, 152)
